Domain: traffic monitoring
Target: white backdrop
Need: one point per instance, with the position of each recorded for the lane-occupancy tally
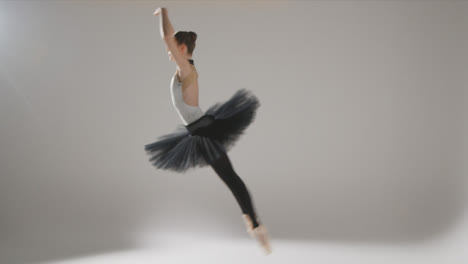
(357, 153)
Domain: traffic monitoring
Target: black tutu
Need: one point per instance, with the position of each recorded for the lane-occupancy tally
(205, 139)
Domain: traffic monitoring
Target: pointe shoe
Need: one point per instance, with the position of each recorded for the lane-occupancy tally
(260, 233)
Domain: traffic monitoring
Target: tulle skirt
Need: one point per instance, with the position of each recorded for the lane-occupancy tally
(205, 139)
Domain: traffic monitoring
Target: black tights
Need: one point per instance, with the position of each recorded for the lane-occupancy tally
(225, 171)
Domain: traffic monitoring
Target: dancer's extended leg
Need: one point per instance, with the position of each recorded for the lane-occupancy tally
(223, 167)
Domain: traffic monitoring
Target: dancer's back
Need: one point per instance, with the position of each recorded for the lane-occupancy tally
(188, 113)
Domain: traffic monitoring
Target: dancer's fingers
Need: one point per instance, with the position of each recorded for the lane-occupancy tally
(157, 12)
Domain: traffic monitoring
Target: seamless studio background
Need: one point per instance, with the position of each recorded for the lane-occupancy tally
(357, 154)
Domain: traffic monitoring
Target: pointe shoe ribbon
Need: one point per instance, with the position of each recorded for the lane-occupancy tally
(248, 223)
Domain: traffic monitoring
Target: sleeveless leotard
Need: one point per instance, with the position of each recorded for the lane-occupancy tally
(187, 113)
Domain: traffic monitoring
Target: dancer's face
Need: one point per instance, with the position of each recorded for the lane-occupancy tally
(182, 49)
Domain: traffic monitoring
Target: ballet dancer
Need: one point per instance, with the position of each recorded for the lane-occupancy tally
(205, 136)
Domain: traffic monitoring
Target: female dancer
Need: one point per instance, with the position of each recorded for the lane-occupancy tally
(206, 137)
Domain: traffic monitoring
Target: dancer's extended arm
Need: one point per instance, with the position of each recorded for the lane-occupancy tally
(167, 33)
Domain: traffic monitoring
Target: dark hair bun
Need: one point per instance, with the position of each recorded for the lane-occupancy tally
(188, 38)
(193, 35)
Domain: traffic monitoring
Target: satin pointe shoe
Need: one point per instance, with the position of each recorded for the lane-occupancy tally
(260, 233)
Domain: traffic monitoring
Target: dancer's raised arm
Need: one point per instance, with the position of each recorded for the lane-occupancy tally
(167, 33)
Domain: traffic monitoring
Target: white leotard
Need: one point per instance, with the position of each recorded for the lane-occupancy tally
(187, 113)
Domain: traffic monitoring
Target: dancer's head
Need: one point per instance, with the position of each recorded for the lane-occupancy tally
(185, 42)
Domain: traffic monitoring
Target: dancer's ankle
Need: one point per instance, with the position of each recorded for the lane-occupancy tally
(256, 223)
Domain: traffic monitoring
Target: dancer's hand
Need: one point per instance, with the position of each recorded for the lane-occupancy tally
(158, 11)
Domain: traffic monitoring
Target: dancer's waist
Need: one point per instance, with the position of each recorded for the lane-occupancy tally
(203, 121)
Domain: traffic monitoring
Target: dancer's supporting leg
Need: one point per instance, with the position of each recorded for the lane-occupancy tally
(225, 171)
